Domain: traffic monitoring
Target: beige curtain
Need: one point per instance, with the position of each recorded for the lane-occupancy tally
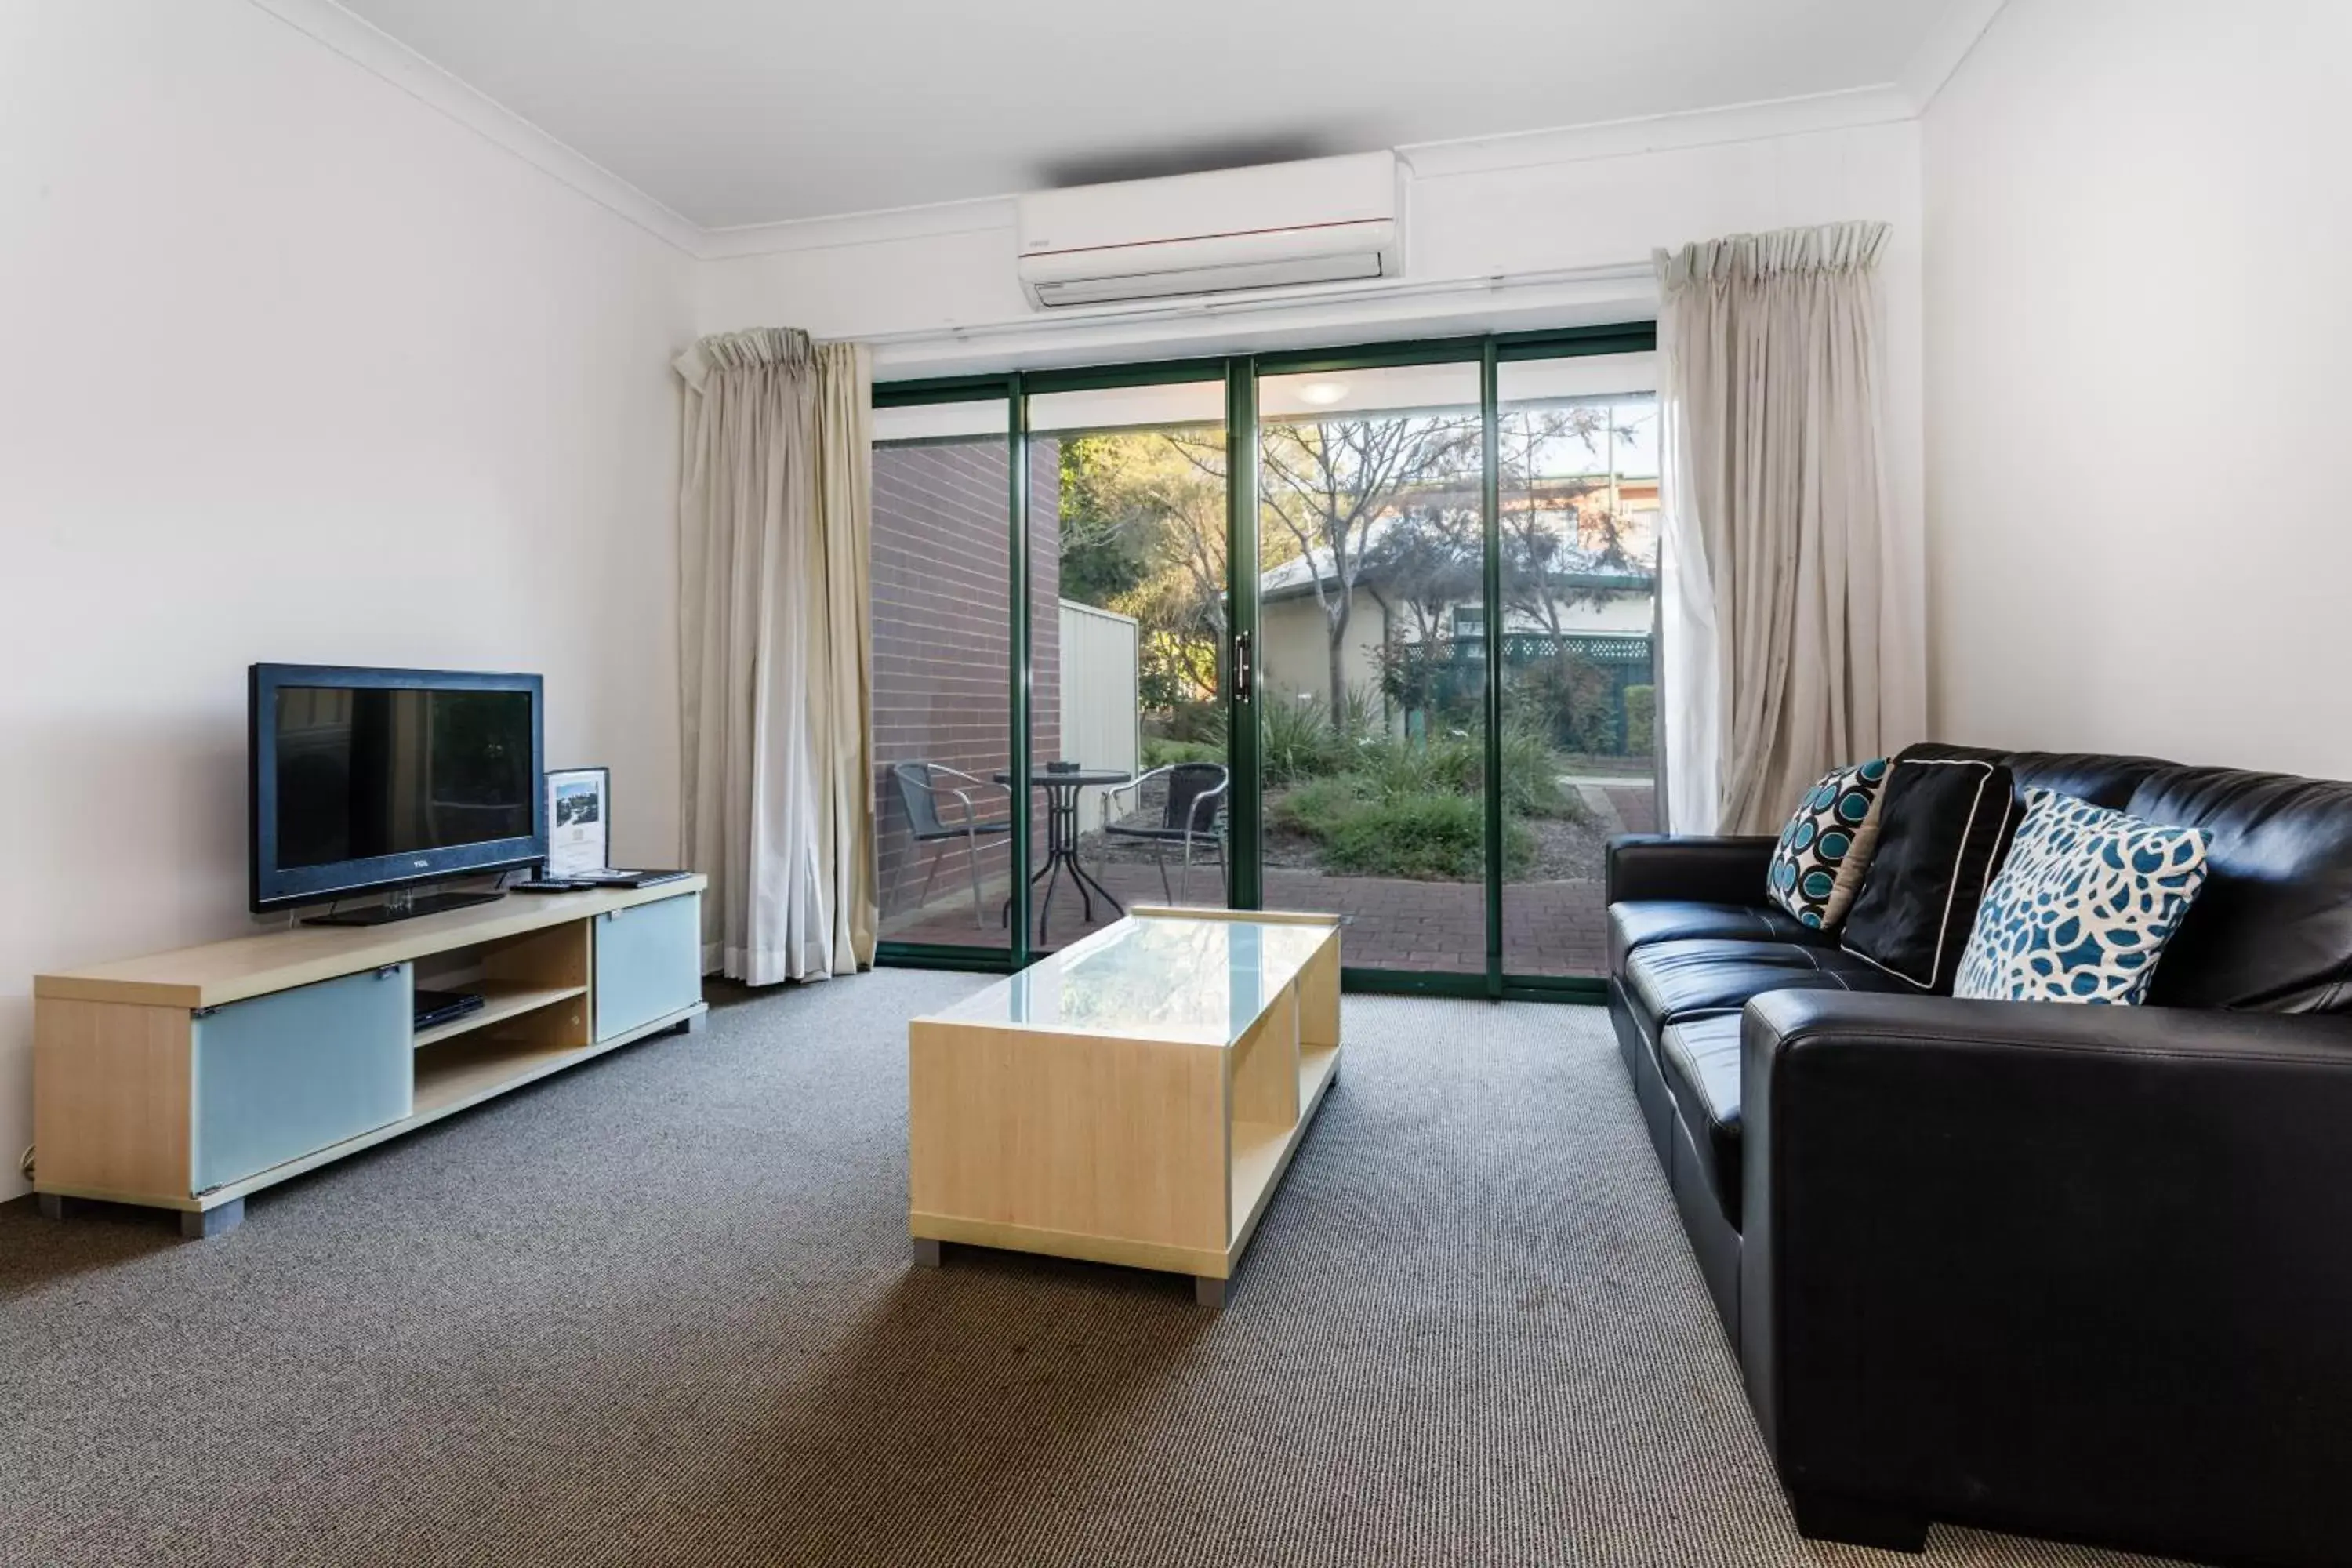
(775, 652)
(1789, 645)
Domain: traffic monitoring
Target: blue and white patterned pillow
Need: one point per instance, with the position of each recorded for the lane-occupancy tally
(2083, 907)
(1818, 865)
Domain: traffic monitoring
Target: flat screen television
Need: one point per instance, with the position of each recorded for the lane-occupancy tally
(367, 779)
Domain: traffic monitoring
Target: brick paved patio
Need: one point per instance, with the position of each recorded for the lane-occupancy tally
(1549, 928)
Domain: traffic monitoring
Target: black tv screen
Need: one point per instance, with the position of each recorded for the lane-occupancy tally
(373, 778)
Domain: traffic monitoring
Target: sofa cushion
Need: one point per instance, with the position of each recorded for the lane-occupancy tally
(2273, 927)
(1668, 981)
(1943, 825)
(2083, 908)
(1818, 865)
(1638, 923)
(1701, 1062)
(2108, 781)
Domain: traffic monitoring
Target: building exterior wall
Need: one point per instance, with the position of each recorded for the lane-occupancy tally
(1293, 644)
(1293, 647)
(944, 640)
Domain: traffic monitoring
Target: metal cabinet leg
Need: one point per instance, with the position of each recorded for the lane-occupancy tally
(925, 1251)
(1208, 1292)
(52, 1205)
(219, 1220)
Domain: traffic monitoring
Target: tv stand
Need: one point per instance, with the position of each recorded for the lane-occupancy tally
(402, 904)
(188, 1080)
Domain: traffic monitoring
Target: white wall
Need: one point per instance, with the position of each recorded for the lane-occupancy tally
(294, 368)
(2139, 214)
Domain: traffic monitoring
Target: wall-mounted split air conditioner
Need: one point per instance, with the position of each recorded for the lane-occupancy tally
(1327, 220)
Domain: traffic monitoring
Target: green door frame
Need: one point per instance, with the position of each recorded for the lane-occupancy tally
(1241, 375)
(1245, 741)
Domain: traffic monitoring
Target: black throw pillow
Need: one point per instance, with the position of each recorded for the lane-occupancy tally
(1944, 824)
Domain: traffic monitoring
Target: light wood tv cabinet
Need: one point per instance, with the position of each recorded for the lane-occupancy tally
(185, 1080)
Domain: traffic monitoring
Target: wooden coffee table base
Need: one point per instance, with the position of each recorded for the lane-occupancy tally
(1118, 1148)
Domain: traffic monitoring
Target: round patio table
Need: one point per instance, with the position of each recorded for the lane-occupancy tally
(1061, 790)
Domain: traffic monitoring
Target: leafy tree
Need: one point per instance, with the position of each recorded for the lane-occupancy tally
(1102, 556)
(1143, 532)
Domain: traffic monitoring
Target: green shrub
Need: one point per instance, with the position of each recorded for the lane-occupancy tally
(1430, 838)
(1519, 848)
(1568, 698)
(1299, 740)
(1393, 768)
(1160, 753)
(1435, 837)
(1203, 721)
(1641, 721)
(1317, 806)
(1366, 714)
(1532, 771)
(1390, 768)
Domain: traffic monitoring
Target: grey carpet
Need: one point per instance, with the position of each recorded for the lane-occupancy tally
(659, 1310)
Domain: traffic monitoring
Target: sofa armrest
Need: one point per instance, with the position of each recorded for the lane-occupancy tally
(2077, 1270)
(1722, 870)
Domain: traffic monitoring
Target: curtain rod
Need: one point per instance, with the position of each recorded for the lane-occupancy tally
(1466, 288)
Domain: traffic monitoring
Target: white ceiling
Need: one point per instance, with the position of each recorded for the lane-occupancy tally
(732, 112)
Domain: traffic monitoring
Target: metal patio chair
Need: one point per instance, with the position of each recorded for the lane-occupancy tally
(1192, 811)
(922, 786)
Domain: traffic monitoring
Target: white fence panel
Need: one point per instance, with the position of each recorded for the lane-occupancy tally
(1102, 718)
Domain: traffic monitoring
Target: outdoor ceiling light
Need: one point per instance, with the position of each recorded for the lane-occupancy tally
(1322, 394)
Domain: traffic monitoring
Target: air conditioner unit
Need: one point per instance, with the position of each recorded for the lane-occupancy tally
(1326, 220)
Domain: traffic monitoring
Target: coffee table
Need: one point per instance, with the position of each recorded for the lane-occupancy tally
(1134, 1099)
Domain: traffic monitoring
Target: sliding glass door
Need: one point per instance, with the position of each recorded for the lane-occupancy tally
(1128, 635)
(1578, 558)
(1364, 632)
(944, 663)
(1374, 737)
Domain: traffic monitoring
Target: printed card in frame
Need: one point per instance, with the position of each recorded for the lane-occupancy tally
(579, 821)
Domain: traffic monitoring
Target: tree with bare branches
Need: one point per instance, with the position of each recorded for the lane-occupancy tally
(1554, 539)
(1325, 484)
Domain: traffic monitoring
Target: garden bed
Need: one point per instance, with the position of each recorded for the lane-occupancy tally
(1362, 802)
(1564, 849)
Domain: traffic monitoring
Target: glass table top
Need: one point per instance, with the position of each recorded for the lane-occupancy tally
(1155, 977)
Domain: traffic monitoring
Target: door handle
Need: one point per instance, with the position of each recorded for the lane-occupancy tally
(1242, 670)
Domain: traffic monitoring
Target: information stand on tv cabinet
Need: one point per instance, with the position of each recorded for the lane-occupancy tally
(188, 1080)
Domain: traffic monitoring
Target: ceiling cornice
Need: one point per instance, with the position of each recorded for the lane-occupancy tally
(1659, 133)
(366, 45)
(859, 228)
(1954, 32)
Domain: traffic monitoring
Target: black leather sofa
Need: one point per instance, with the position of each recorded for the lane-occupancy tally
(2074, 1271)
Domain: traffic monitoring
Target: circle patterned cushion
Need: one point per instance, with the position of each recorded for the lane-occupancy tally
(1817, 867)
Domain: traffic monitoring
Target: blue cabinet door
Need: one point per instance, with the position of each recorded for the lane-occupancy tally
(648, 962)
(274, 1078)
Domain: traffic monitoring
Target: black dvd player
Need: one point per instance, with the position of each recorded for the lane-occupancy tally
(434, 1007)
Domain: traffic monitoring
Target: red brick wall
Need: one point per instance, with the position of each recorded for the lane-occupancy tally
(942, 640)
